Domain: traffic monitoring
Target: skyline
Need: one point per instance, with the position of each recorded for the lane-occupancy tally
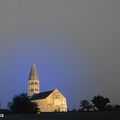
(74, 44)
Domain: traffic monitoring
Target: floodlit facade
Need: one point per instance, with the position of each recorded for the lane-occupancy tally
(48, 101)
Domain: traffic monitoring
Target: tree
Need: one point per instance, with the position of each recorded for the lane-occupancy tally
(84, 104)
(22, 104)
(100, 102)
(117, 107)
(109, 107)
(73, 110)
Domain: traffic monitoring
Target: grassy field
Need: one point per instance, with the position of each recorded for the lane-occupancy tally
(65, 116)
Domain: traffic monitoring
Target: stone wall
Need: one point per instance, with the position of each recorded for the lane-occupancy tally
(55, 102)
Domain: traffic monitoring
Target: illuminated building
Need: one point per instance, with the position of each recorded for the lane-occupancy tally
(48, 101)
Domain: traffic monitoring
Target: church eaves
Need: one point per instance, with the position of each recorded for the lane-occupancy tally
(33, 73)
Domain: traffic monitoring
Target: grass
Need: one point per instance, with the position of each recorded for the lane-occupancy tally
(65, 116)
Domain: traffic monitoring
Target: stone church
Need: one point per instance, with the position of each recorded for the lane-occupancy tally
(48, 101)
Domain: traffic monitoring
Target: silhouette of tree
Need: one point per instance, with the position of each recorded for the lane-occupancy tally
(73, 110)
(100, 102)
(22, 104)
(84, 104)
(117, 107)
(109, 107)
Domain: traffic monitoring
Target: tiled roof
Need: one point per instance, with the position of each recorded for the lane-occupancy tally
(41, 95)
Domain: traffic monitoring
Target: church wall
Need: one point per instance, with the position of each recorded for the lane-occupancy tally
(57, 102)
(54, 102)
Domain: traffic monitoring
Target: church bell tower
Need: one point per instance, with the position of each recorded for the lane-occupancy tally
(33, 81)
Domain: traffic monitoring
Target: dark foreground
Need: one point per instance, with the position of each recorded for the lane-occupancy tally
(65, 116)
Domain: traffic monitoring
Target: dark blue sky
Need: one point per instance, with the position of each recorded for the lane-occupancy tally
(74, 44)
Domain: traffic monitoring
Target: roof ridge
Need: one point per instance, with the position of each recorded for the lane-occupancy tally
(47, 91)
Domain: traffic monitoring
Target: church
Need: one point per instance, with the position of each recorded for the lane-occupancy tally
(48, 101)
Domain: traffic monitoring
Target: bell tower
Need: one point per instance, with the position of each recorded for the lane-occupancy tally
(33, 81)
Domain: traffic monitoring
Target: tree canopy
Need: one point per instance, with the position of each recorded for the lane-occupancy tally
(22, 104)
(84, 104)
(100, 102)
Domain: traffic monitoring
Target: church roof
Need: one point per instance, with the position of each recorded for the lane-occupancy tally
(33, 73)
(41, 95)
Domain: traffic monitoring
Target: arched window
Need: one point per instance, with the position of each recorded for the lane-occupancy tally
(56, 96)
(36, 83)
(32, 89)
(32, 83)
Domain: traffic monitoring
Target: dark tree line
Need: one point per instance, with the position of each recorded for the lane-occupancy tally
(98, 103)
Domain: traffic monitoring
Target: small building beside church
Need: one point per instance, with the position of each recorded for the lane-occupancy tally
(48, 101)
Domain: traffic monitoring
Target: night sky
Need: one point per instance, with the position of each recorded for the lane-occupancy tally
(75, 45)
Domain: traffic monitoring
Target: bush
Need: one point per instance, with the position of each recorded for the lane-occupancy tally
(22, 104)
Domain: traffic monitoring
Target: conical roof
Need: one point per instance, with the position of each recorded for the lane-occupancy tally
(33, 73)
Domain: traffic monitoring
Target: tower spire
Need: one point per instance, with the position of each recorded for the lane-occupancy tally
(33, 73)
(33, 82)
